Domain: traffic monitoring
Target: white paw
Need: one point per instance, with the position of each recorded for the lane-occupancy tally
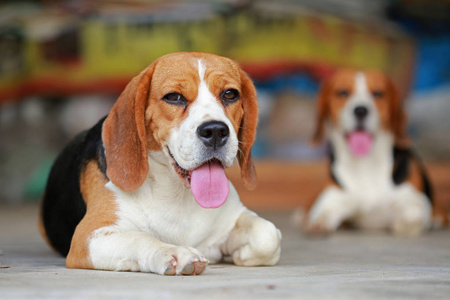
(413, 219)
(411, 224)
(320, 224)
(317, 229)
(262, 248)
(329, 211)
(173, 260)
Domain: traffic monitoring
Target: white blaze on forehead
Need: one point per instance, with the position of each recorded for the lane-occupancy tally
(201, 70)
(360, 82)
(206, 107)
(361, 93)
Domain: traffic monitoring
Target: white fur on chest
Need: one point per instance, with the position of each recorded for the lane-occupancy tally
(369, 176)
(165, 209)
(367, 180)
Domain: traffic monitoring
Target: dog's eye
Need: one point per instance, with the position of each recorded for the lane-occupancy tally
(175, 99)
(378, 94)
(229, 96)
(342, 93)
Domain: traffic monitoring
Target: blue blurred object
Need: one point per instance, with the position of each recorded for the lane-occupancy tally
(301, 83)
(429, 23)
(433, 62)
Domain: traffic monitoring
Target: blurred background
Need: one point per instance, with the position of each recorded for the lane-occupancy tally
(63, 64)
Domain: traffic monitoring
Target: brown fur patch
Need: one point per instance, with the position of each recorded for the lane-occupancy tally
(415, 175)
(415, 179)
(330, 103)
(101, 212)
(247, 131)
(125, 137)
(389, 106)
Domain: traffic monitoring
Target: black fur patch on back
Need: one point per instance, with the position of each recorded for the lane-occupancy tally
(331, 156)
(402, 158)
(94, 147)
(402, 166)
(63, 206)
(427, 188)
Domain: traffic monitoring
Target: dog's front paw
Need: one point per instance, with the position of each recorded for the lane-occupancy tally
(413, 217)
(317, 229)
(173, 260)
(320, 223)
(412, 224)
(262, 248)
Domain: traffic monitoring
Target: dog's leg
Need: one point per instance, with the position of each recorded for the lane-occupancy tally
(138, 251)
(411, 211)
(254, 241)
(332, 207)
(98, 243)
(110, 248)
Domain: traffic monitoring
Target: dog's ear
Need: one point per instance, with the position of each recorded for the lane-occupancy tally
(322, 112)
(398, 117)
(124, 134)
(247, 131)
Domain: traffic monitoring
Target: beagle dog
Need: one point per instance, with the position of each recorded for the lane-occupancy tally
(145, 188)
(376, 180)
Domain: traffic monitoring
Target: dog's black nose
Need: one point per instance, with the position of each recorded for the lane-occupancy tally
(361, 112)
(213, 133)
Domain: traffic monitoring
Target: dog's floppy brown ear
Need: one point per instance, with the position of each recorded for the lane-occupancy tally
(322, 112)
(398, 116)
(124, 134)
(247, 132)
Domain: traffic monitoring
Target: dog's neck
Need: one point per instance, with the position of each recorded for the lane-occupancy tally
(166, 178)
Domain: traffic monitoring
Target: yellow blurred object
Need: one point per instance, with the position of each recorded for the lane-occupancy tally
(102, 52)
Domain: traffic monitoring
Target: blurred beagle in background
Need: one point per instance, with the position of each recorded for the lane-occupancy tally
(376, 180)
(145, 189)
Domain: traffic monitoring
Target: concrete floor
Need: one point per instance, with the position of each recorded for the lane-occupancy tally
(348, 265)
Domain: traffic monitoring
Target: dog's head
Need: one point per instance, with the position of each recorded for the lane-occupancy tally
(199, 109)
(359, 105)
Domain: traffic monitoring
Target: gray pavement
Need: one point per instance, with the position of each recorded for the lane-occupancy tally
(348, 265)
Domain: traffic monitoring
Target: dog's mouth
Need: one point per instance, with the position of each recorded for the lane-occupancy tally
(207, 181)
(185, 175)
(360, 142)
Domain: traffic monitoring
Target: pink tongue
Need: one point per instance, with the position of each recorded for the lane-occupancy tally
(209, 184)
(360, 143)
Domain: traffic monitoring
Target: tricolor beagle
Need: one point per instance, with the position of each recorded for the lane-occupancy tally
(145, 189)
(376, 180)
